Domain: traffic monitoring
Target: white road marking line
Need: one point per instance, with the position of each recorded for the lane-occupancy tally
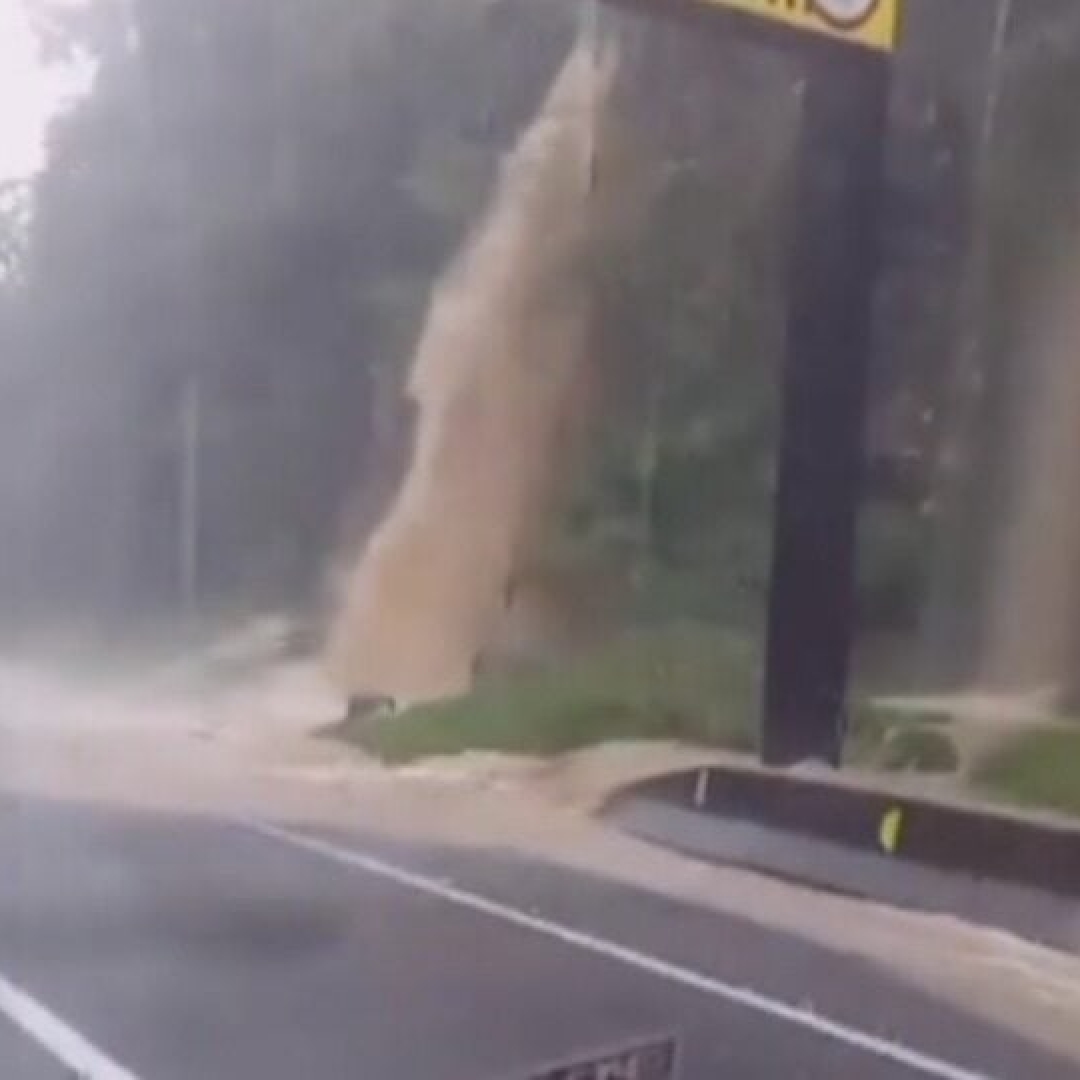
(59, 1039)
(802, 1017)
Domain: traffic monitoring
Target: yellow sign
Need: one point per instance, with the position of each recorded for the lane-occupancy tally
(874, 24)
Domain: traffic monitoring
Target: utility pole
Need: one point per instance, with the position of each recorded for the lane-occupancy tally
(950, 624)
(191, 424)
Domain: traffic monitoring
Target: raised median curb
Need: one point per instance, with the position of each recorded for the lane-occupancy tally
(1015, 872)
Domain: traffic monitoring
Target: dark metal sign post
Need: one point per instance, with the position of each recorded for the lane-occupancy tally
(845, 47)
(834, 271)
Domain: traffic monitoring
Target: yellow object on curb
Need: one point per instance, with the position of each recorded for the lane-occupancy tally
(891, 827)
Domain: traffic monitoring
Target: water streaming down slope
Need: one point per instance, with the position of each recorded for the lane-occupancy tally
(1035, 593)
(496, 379)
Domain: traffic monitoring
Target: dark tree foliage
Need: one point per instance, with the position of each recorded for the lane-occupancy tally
(256, 198)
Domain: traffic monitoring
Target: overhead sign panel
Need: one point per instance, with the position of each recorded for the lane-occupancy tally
(873, 24)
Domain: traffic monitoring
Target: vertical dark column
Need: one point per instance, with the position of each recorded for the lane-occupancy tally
(834, 270)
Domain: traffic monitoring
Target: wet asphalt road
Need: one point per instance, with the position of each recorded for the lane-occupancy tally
(192, 949)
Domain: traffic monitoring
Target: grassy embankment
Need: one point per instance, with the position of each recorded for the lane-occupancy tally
(699, 684)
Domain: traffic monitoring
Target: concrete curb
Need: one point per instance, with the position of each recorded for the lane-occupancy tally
(1014, 873)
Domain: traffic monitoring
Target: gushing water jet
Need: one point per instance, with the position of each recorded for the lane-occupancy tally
(496, 379)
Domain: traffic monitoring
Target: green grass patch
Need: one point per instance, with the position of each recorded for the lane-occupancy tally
(1037, 769)
(688, 682)
(895, 739)
(923, 750)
